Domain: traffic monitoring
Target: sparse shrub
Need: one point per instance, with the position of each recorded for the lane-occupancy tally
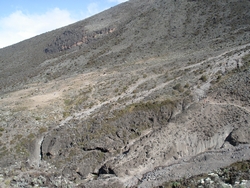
(203, 78)
(178, 87)
(176, 184)
(66, 114)
(218, 78)
(246, 60)
(37, 118)
(187, 92)
(124, 88)
(213, 82)
(135, 91)
(42, 130)
(219, 72)
(67, 102)
(7, 182)
(174, 92)
(187, 85)
(31, 136)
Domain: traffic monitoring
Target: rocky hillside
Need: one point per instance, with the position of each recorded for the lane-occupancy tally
(144, 93)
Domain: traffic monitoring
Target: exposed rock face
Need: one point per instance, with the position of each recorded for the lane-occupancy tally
(177, 140)
(239, 136)
(35, 152)
(70, 39)
(126, 125)
(143, 93)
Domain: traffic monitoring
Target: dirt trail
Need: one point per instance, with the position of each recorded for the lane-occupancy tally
(222, 57)
(209, 101)
(141, 95)
(128, 93)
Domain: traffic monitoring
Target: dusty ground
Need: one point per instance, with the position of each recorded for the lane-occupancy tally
(58, 98)
(128, 100)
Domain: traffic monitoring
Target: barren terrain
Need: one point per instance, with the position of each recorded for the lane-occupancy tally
(130, 101)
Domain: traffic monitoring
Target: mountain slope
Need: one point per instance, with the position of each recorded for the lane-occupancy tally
(176, 26)
(130, 97)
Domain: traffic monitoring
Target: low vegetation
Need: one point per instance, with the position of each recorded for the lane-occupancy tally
(233, 175)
